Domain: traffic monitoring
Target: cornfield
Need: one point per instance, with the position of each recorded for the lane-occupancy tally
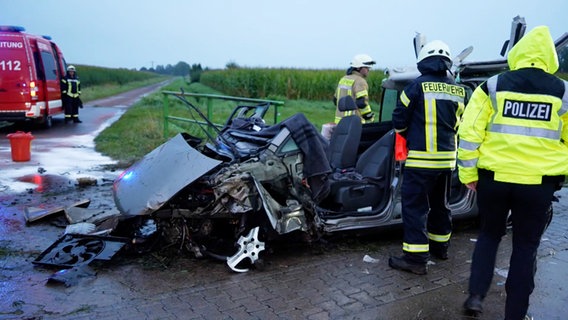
(292, 84)
(94, 76)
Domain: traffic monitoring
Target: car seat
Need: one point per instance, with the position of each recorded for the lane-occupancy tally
(344, 143)
(364, 188)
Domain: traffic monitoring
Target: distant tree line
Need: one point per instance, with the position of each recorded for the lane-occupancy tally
(194, 71)
(181, 68)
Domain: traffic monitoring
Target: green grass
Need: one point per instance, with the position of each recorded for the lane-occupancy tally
(140, 129)
(90, 93)
(317, 111)
(95, 76)
(100, 82)
(293, 84)
(136, 133)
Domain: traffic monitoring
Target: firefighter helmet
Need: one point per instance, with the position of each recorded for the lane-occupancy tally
(362, 61)
(71, 68)
(434, 48)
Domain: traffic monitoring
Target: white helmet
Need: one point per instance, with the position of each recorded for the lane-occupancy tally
(362, 60)
(434, 48)
(71, 68)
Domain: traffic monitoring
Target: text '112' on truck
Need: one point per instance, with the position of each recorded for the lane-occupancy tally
(31, 68)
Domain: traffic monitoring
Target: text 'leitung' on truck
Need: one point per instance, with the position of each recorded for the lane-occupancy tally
(31, 68)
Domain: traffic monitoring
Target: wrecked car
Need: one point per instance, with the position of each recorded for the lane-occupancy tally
(228, 196)
(254, 183)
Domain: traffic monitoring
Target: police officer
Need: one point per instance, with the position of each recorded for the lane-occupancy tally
(354, 84)
(70, 92)
(513, 151)
(427, 114)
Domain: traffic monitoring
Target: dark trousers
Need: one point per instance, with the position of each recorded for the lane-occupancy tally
(529, 206)
(71, 106)
(424, 195)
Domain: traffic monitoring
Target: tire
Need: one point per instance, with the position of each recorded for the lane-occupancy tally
(47, 121)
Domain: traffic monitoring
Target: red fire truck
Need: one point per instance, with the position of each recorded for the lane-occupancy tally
(31, 68)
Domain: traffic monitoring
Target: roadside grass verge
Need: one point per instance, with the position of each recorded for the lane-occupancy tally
(90, 93)
(101, 82)
(136, 133)
(140, 129)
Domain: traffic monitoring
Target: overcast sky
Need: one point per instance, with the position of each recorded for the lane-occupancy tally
(272, 33)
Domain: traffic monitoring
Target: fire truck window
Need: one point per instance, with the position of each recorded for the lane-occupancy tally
(39, 67)
(49, 65)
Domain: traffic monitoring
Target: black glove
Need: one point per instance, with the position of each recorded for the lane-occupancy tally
(368, 116)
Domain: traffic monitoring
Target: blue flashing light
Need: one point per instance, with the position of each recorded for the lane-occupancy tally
(12, 28)
(127, 175)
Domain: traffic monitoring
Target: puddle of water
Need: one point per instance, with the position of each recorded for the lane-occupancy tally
(73, 157)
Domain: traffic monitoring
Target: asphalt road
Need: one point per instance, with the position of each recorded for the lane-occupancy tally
(64, 150)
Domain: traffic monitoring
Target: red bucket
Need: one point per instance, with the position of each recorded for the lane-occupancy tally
(21, 144)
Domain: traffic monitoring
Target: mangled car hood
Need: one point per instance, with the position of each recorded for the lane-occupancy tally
(156, 178)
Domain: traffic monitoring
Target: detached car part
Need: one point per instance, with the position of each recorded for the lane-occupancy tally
(249, 247)
(73, 250)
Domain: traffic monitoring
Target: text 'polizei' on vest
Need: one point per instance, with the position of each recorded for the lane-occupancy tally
(527, 110)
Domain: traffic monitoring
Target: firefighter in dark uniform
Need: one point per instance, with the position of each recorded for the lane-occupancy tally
(354, 84)
(70, 92)
(427, 115)
(513, 151)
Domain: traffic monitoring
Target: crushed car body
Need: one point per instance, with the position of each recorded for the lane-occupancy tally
(146, 186)
(252, 183)
(288, 180)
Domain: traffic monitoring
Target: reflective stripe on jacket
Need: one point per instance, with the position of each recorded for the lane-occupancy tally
(71, 87)
(516, 123)
(356, 86)
(428, 111)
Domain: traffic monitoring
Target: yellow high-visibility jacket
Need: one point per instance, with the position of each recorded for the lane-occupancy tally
(356, 86)
(516, 123)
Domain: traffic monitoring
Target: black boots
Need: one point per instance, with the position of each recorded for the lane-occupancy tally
(413, 262)
(74, 119)
(473, 304)
(404, 264)
(439, 250)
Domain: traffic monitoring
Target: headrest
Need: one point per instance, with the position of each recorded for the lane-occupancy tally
(346, 104)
